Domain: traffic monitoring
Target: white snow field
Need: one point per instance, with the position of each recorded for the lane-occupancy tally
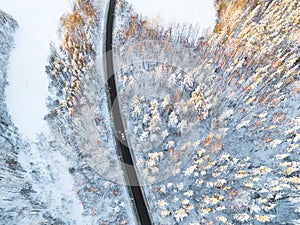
(201, 12)
(28, 84)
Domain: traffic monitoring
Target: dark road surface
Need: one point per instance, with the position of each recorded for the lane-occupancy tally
(121, 143)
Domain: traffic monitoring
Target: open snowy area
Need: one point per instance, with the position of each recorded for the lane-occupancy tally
(201, 12)
(28, 83)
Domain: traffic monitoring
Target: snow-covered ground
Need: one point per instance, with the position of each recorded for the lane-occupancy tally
(201, 12)
(51, 169)
(28, 89)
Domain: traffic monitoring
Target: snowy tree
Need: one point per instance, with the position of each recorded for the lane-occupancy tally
(173, 120)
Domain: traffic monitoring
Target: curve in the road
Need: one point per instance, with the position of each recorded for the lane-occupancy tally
(122, 146)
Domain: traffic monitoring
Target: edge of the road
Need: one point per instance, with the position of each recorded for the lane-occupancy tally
(123, 151)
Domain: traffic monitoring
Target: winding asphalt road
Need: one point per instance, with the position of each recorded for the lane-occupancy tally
(123, 150)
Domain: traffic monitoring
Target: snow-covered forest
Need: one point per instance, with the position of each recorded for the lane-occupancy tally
(58, 178)
(212, 119)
